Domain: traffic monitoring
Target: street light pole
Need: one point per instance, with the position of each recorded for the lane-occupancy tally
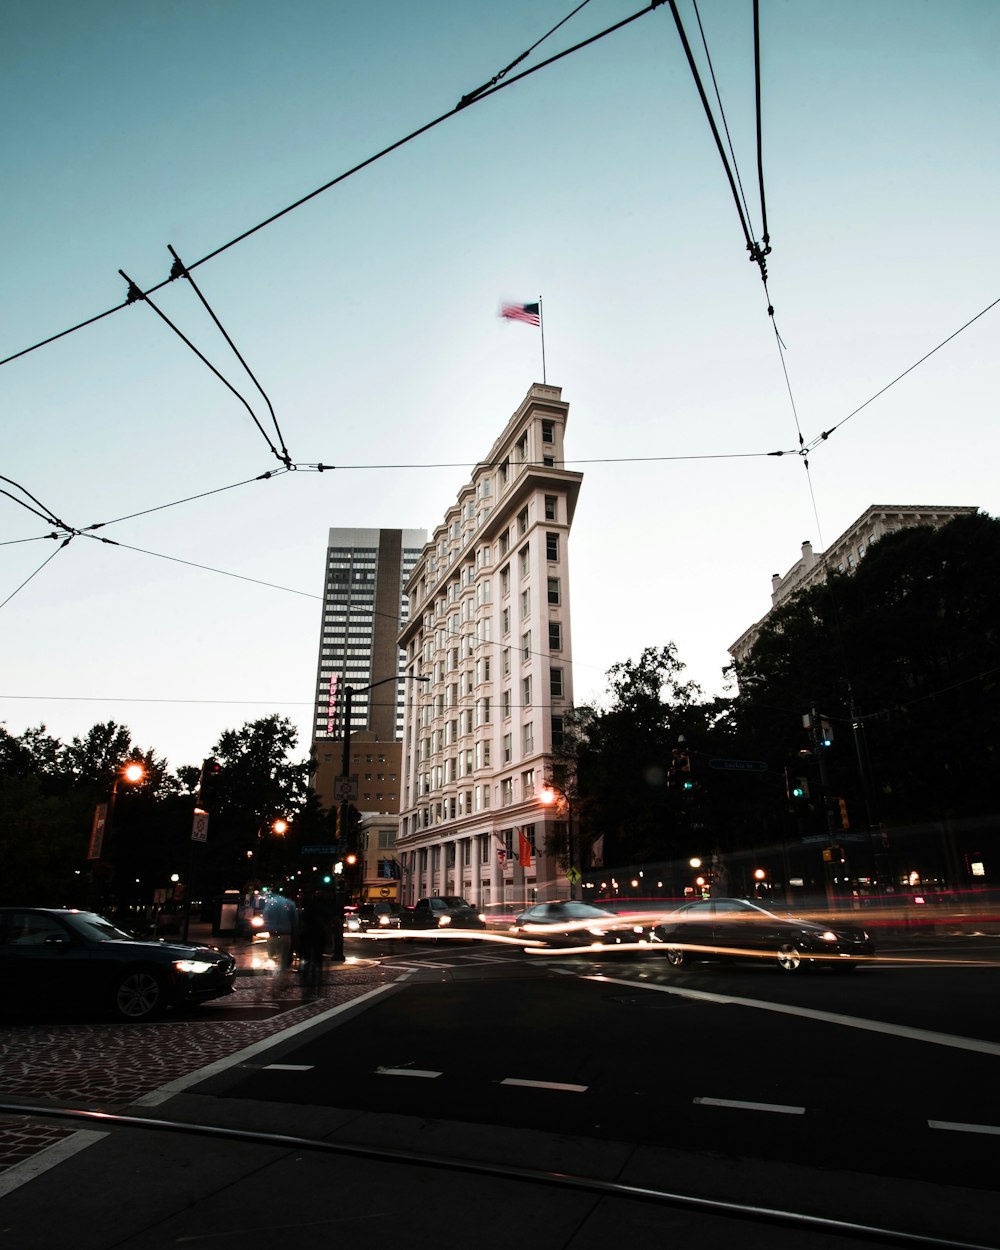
(547, 796)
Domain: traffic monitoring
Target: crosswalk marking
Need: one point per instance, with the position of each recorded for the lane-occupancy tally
(407, 1072)
(751, 1106)
(569, 1089)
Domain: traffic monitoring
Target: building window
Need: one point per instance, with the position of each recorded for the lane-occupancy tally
(507, 748)
(506, 792)
(548, 428)
(522, 522)
(552, 546)
(555, 636)
(526, 691)
(556, 683)
(522, 556)
(505, 698)
(506, 661)
(505, 580)
(526, 646)
(553, 590)
(528, 784)
(525, 603)
(505, 621)
(528, 738)
(558, 732)
(551, 503)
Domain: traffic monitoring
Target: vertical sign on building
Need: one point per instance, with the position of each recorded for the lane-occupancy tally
(331, 714)
(97, 831)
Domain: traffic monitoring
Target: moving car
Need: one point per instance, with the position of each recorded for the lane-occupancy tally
(58, 958)
(441, 912)
(735, 928)
(570, 923)
(379, 914)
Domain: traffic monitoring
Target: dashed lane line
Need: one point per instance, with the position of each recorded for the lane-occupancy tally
(569, 1089)
(778, 1108)
(422, 1072)
(953, 1127)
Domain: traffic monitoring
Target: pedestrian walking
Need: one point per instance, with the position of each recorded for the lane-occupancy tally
(315, 935)
(281, 923)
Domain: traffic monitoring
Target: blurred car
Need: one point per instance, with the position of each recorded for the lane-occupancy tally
(58, 958)
(734, 928)
(570, 923)
(379, 914)
(441, 912)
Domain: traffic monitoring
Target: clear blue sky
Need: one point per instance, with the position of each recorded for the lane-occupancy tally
(369, 315)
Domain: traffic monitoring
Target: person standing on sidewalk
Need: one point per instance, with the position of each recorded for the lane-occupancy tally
(281, 923)
(315, 933)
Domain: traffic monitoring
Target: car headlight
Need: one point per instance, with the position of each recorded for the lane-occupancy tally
(443, 920)
(828, 935)
(354, 924)
(597, 932)
(257, 922)
(384, 920)
(195, 966)
(482, 917)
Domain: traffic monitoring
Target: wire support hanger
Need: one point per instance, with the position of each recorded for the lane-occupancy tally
(136, 295)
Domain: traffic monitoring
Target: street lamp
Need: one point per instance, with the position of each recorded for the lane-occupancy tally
(100, 837)
(547, 795)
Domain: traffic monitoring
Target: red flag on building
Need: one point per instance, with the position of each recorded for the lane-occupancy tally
(524, 849)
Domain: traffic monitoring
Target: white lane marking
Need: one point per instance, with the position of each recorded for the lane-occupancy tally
(751, 1106)
(809, 1013)
(570, 1089)
(48, 1158)
(953, 1127)
(288, 1067)
(165, 1092)
(407, 1072)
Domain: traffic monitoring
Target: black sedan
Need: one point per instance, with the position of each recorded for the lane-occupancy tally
(734, 928)
(568, 923)
(57, 959)
(441, 912)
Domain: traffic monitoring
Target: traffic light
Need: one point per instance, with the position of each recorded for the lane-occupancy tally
(797, 788)
(680, 769)
(211, 770)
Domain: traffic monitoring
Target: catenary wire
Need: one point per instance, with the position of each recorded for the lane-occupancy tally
(135, 296)
(180, 271)
(765, 236)
(843, 421)
(261, 477)
(51, 556)
(482, 94)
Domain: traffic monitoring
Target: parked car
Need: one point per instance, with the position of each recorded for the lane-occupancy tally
(379, 914)
(58, 958)
(441, 912)
(734, 928)
(571, 923)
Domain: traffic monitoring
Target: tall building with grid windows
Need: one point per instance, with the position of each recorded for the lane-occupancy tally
(364, 608)
(489, 624)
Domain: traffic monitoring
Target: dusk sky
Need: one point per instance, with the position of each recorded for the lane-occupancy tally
(369, 316)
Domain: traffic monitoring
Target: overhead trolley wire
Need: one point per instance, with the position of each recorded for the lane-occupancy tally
(481, 93)
(178, 270)
(135, 295)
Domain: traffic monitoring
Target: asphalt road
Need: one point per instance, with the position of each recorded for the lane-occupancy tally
(852, 1071)
(867, 1098)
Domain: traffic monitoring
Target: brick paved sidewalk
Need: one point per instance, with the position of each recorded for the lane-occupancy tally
(98, 1065)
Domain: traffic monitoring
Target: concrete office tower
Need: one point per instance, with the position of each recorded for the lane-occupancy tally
(364, 608)
(489, 624)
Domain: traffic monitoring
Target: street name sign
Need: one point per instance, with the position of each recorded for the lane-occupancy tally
(739, 766)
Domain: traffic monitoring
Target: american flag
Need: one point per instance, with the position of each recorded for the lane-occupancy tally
(531, 313)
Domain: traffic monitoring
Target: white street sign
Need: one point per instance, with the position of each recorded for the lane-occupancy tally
(199, 827)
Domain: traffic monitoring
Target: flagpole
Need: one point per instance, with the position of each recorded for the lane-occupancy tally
(541, 326)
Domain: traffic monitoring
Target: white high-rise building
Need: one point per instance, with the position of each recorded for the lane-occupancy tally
(489, 624)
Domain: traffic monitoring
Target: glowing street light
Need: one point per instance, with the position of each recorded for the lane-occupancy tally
(547, 795)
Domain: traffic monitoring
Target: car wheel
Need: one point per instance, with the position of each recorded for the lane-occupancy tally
(789, 957)
(138, 995)
(676, 958)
